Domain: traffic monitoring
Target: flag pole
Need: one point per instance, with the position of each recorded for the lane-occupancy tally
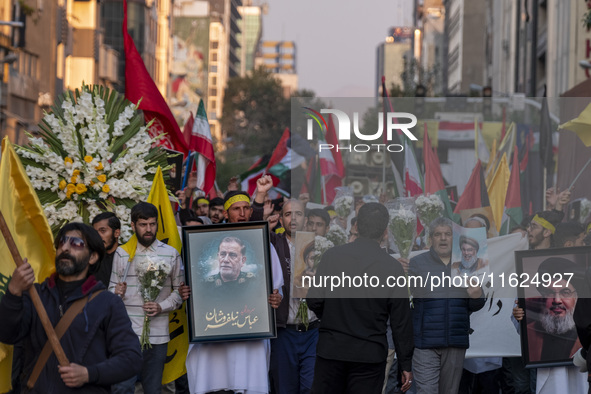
(51, 335)
(544, 190)
(579, 174)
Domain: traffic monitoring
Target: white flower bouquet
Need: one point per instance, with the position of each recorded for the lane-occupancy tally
(321, 245)
(336, 235)
(585, 210)
(403, 224)
(429, 208)
(343, 202)
(94, 154)
(151, 277)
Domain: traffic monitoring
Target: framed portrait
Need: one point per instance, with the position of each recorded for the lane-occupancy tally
(304, 263)
(228, 268)
(549, 282)
(175, 160)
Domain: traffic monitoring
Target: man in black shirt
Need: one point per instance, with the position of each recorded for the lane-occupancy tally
(109, 228)
(352, 344)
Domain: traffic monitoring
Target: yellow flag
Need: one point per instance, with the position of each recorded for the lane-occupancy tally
(580, 125)
(498, 191)
(31, 232)
(178, 346)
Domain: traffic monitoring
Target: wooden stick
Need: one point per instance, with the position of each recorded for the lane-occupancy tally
(51, 336)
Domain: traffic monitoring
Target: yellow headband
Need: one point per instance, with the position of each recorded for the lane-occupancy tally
(235, 199)
(202, 200)
(544, 223)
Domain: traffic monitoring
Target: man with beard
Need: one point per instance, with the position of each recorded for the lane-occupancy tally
(124, 282)
(470, 263)
(541, 228)
(216, 210)
(99, 342)
(109, 228)
(554, 335)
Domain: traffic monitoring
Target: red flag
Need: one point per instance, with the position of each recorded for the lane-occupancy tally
(187, 128)
(140, 86)
(281, 150)
(331, 138)
(433, 176)
(475, 194)
(331, 165)
(513, 199)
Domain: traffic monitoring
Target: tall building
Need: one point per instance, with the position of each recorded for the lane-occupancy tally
(149, 24)
(431, 22)
(279, 58)
(189, 69)
(29, 65)
(391, 56)
(466, 58)
(251, 27)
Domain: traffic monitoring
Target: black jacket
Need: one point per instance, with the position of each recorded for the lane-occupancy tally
(354, 320)
(282, 248)
(441, 317)
(99, 338)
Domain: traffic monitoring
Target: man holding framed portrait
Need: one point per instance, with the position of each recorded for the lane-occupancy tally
(242, 254)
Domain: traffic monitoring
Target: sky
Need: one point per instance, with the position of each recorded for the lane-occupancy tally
(336, 40)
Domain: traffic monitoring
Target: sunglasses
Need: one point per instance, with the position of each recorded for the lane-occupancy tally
(75, 242)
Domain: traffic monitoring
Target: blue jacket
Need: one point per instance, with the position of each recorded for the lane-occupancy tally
(441, 316)
(100, 337)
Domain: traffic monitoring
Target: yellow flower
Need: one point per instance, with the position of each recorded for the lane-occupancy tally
(73, 179)
(106, 189)
(63, 184)
(102, 178)
(68, 160)
(100, 166)
(70, 189)
(80, 188)
(91, 183)
(76, 172)
(87, 158)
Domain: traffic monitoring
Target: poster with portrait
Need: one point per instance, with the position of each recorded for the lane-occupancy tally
(228, 268)
(549, 282)
(304, 264)
(469, 256)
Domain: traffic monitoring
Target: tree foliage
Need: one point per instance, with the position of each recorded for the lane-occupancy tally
(255, 113)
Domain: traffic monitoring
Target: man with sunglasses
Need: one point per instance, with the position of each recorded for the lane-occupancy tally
(99, 342)
(124, 282)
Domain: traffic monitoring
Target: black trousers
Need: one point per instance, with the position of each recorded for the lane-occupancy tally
(334, 376)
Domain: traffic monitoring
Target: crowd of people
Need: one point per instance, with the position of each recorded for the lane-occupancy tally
(360, 342)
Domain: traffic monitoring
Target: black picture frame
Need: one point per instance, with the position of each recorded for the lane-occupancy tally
(175, 174)
(219, 309)
(541, 348)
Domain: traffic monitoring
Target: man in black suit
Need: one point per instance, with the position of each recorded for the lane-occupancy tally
(352, 345)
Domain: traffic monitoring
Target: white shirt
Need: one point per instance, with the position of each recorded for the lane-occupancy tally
(169, 298)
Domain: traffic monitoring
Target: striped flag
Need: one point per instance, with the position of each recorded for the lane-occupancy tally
(201, 142)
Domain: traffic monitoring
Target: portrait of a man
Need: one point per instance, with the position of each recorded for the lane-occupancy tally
(551, 332)
(230, 280)
(228, 267)
(469, 263)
